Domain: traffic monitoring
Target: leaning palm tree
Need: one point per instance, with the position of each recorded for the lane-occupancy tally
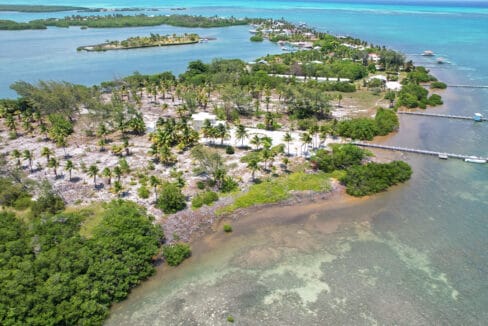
(241, 134)
(16, 155)
(47, 152)
(28, 156)
(69, 167)
(288, 139)
(92, 172)
(108, 174)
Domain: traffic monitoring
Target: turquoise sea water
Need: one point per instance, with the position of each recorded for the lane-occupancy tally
(416, 255)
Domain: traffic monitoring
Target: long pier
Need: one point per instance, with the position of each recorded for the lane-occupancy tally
(441, 155)
(469, 86)
(450, 116)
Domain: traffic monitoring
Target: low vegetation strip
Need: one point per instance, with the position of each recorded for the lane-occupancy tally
(120, 21)
(275, 190)
(33, 8)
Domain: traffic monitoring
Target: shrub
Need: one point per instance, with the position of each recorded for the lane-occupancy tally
(143, 192)
(257, 38)
(204, 198)
(228, 184)
(230, 319)
(434, 100)
(200, 185)
(23, 202)
(227, 228)
(171, 199)
(386, 120)
(229, 150)
(438, 85)
(176, 253)
(371, 178)
(341, 157)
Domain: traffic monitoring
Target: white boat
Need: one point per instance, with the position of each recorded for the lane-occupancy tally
(253, 31)
(474, 159)
(443, 156)
(428, 53)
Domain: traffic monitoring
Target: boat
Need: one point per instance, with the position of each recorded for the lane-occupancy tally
(474, 159)
(443, 156)
(428, 53)
(440, 60)
(253, 31)
(478, 117)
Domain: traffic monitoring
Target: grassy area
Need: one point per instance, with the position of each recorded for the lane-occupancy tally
(92, 216)
(23, 215)
(34, 8)
(279, 189)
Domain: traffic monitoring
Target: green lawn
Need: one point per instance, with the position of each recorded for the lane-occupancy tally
(278, 189)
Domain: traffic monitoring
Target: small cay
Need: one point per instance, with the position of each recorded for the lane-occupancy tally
(143, 42)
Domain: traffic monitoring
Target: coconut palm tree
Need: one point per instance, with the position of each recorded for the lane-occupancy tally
(288, 139)
(107, 173)
(241, 134)
(69, 166)
(305, 139)
(221, 132)
(93, 172)
(28, 156)
(255, 140)
(54, 164)
(253, 166)
(47, 152)
(16, 155)
(117, 187)
(266, 154)
(117, 172)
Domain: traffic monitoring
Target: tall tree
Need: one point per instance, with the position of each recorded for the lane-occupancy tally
(69, 166)
(288, 139)
(241, 133)
(93, 172)
(28, 156)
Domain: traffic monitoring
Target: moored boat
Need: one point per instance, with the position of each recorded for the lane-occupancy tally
(474, 159)
(428, 53)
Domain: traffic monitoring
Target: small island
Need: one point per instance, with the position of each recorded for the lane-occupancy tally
(138, 42)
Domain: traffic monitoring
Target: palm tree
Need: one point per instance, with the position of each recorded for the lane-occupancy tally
(266, 154)
(16, 155)
(306, 139)
(339, 98)
(69, 167)
(54, 164)
(288, 139)
(253, 166)
(117, 172)
(108, 174)
(92, 172)
(155, 182)
(221, 132)
(255, 140)
(241, 134)
(28, 156)
(47, 152)
(102, 143)
(117, 187)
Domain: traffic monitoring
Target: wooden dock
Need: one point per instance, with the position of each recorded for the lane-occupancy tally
(469, 86)
(441, 155)
(449, 116)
